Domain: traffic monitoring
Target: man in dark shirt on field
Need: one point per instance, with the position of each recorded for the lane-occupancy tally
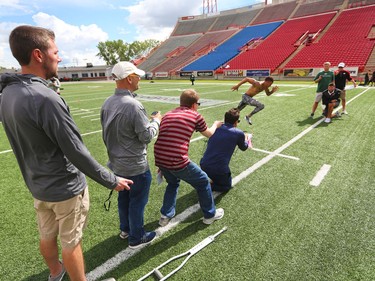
(331, 100)
(341, 76)
(220, 148)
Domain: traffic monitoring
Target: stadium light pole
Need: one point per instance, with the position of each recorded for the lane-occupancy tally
(209, 7)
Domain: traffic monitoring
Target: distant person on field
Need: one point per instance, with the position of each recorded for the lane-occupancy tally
(341, 76)
(54, 84)
(50, 152)
(331, 100)
(126, 133)
(192, 78)
(171, 156)
(372, 81)
(367, 78)
(255, 88)
(323, 78)
(220, 148)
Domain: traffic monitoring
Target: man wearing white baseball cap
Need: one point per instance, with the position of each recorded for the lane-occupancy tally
(127, 130)
(341, 76)
(123, 69)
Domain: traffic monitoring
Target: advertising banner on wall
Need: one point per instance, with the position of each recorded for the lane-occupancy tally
(161, 74)
(352, 70)
(185, 73)
(258, 72)
(234, 73)
(205, 73)
(298, 72)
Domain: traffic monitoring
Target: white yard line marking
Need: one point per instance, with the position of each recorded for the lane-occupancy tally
(82, 113)
(87, 116)
(281, 155)
(5, 151)
(197, 138)
(90, 133)
(128, 253)
(320, 175)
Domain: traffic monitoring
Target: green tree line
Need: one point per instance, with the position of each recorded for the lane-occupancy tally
(118, 50)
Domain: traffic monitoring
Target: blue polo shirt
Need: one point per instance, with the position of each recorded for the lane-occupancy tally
(220, 148)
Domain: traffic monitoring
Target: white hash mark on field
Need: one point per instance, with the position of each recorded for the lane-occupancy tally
(320, 175)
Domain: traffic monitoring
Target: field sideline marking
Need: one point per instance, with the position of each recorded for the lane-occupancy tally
(320, 175)
(127, 253)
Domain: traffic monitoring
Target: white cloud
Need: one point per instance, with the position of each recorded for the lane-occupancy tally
(77, 44)
(156, 18)
(14, 7)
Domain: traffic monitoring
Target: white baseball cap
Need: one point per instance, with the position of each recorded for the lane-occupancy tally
(123, 69)
(341, 64)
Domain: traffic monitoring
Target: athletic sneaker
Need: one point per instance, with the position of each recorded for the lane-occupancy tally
(164, 220)
(58, 277)
(312, 115)
(344, 112)
(219, 214)
(328, 120)
(124, 235)
(145, 240)
(248, 120)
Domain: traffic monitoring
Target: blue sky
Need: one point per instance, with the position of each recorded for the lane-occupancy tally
(80, 25)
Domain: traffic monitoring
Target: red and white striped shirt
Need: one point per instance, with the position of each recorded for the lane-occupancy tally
(172, 146)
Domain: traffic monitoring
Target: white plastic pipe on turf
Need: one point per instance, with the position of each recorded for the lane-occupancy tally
(188, 254)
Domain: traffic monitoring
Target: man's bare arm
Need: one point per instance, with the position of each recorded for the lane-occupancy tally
(246, 79)
(268, 92)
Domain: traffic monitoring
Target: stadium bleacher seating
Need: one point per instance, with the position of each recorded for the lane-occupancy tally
(280, 44)
(317, 8)
(240, 19)
(346, 40)
(307, 34)
(188, 54)
(160, 54)
(232, 46)
(192, 26)
(275, 12)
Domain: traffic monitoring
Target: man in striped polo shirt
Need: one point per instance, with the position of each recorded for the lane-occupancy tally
(171, 156)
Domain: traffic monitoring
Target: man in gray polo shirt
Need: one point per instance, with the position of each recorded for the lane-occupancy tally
(126, 132)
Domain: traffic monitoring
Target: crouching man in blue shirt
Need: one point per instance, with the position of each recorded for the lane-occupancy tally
(220, 148)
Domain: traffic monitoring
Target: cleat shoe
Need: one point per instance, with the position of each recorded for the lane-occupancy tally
(124, 235)
(327, 120)
(312, 115)
(344, 112)
(145, 240)
(58, 277)
(219, 214)
(248, 120)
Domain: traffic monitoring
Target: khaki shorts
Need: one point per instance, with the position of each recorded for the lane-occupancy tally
(66, 219)
(343, 94)
(318, 96)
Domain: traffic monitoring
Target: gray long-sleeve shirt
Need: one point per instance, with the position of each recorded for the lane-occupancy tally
(46, 141)
(126, 133)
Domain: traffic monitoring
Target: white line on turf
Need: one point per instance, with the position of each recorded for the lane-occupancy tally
(320, 175)
(87, 116)
(281, 155)
(127, 253)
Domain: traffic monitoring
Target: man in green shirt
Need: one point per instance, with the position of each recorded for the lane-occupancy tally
(323, 78)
